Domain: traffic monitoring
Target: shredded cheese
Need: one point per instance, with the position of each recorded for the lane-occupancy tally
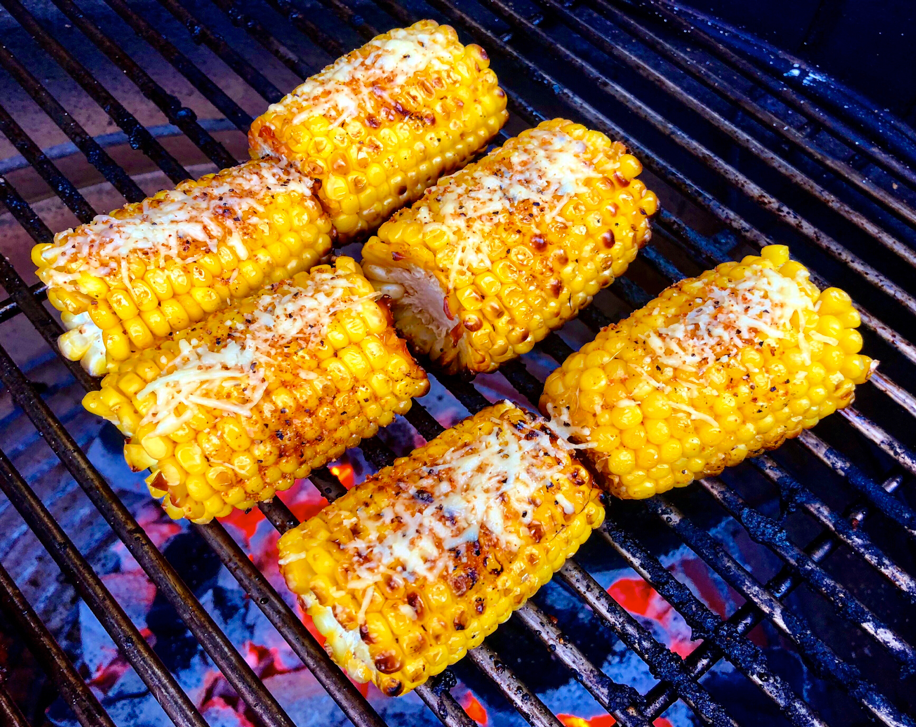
(189, 222)
(486, 490)
(763, 304)
(545, 169)
(355, 83)
(233, 377)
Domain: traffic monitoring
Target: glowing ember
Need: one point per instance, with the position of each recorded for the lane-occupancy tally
(602, 720)
(640, 599)
(474, 709)
(343, 472)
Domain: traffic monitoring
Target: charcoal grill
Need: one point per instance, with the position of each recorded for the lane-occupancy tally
(744, 149)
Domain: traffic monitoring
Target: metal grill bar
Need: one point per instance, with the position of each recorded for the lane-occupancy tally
(742, 138)
(213, 93)
(442, 702)
(750, 188)
(263, 36)
(714, 82)
(702, 659)
(135, 131)
(767, 531)
(668, 12)
(792, 492)
(52, 658)
(794, 627)
(97, 156)
(11, 714)
(181, 116)
(45, 167)
(846, 103)
(202, 34)
(160, 571)
(92, 590)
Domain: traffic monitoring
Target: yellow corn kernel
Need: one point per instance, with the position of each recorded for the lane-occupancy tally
(119, 282)
(727, 398)
(412, 629)
(303, 417)
(505, 284)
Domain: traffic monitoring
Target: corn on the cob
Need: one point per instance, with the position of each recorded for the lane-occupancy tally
(381, 124)
(495, 256)
(127, 280)
(716, 369)
(230, 411)
(409, 570)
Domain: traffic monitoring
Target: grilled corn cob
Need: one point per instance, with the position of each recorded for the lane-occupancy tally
(230, 411)
(716, 369)
(408, 571)
(381, 124)
(127, 280)
(495, 256)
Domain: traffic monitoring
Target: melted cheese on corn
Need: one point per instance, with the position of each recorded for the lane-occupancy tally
(763, 305)
(232, 378)
(546, 168)
(489, 487)
(355, 83)
(188, 222)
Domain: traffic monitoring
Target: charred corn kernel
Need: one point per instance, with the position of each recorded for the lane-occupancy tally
(241, 399)
(496, 256)
(150, 268)
(382, 123)
(399, 588)
(739, 360)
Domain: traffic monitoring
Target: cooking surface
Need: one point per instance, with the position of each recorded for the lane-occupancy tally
(649, 589)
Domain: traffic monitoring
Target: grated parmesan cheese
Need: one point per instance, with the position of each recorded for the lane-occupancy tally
(354, 83)
(546, 168)
(186, 224)
(485, 488)
(762, 304)
(233, 378)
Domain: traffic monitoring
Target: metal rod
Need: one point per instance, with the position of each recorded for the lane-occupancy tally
(237, 672)
(617, 699)
(97, 156)
(709, 627)
(791, 491)
(767, 532)
(200, 33)
(133, 128)
(796, 628)
(181, 116)
(743, 139)
(892, 131)
(200, 80)
(752, 190)
(780, 90)
(46, 169)
(663, 663)
(705, 656)
(51, 656)
(9, 710)
(534, 711)
(162, 685)
(257, 31)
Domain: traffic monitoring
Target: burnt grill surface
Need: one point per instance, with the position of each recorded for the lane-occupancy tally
(742, 151)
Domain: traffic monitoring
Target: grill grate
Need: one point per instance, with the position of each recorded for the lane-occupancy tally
(538, 49)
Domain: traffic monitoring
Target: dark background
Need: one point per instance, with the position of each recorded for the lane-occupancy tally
(868, 44)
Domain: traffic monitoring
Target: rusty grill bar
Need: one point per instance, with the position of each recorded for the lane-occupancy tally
(534, 47)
